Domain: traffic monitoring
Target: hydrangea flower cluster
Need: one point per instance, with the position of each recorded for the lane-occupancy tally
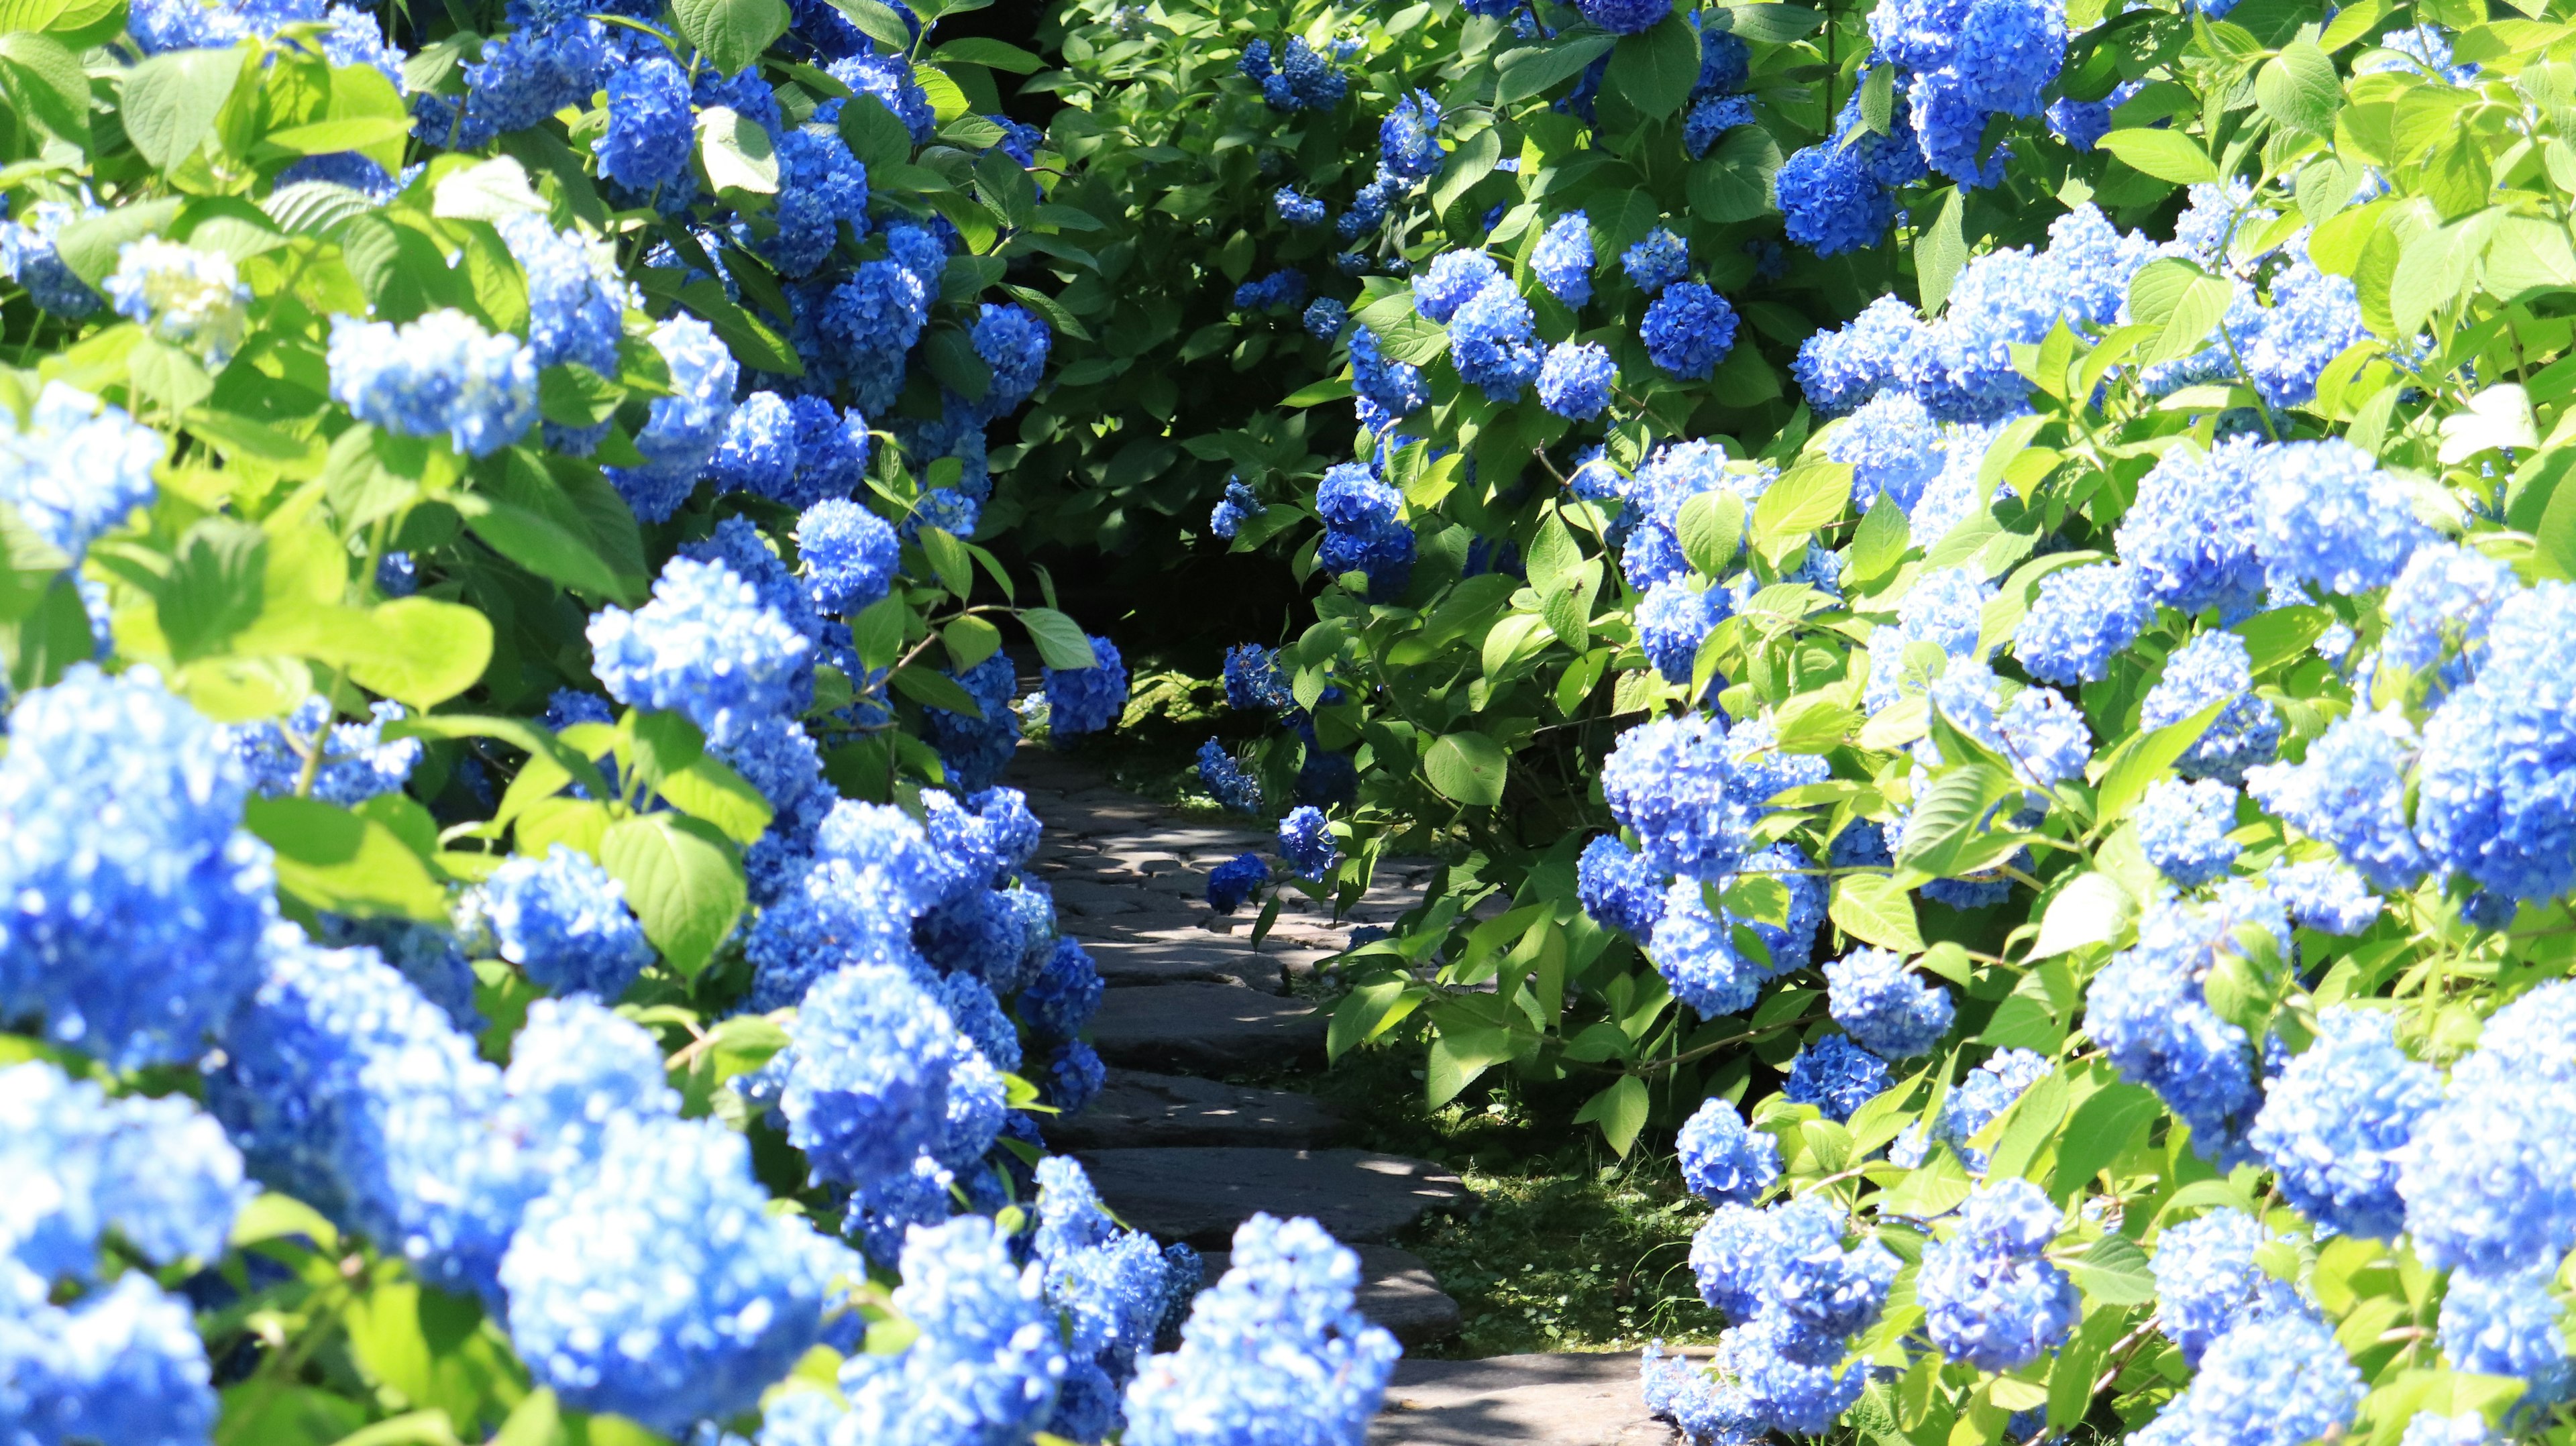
(1989, 1294)
(442, 375)
(77, 468)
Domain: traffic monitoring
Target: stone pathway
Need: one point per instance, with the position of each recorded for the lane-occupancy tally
(1176, 1150)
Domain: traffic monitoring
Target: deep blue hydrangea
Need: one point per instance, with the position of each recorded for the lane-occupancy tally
(1830, 204)
(649, 135)
(1674, 783)
(1233, 881)
(1689, 330)
(1225, 779)
(2332, 519)
(28, 257)
(1892, 1013)
(2496, 790)
(1073, 1077)
(1451, 281)
(1064, 996)
(1673, 619)
(868, 1086)
(522, 78)
(2081, 618)
(658, 1286)
(1408, 140)
(2147, 1011)
(1722, 1161)
(890, 80)
(1712, 116)
(1239, 504)
(1087, 700)
(1324, 318)
(2207, 1283)
(1275, 1349)
(1393, 387)
(1989, 1296)
(2182, 828)
(707, 645)
(562, 919)
(1491, 341)
(821, 188)
(1013, 342)
(442, 375)
(2279, 1381)
(758, 451)
(850, 555)
(1576, 379)
(1617, 888)
(1296, 208)
(2350, 791)
(134, 903)
(1306, 842)
(1282, 290)
(576, 300)
(1656, 262)
(356, 763)
(1563, 259)
(1835, 1075)
(1362, 533)
(2213, 668)
(1626, 17)
(2333, 1122)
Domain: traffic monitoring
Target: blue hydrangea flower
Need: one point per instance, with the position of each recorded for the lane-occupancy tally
(2496, 789)
(1674, 783)
(850, 555)
(1233, 881)
(1694, 948)
(2350, 791)
(707, 645)
(821, 187)
(125, 1364)
(1981, 1098)
(1689, 330)
(2147, 1010)
(78, 468)
(28, 257)
(890, 80)
(658, 1286)
(1894, 448)
(1673, 619)
(565, 921)
(157, 1171)
(1576, 379)
(2507, 1325)
(2191, 534)
(1275, 1348)
(2182, 827)
(1839, 370)
(868, 1087)
(1393, 387)
(576, 299)
(2325, 896)
(2438, 610)
(1563, 259)
(2207, 1283)
(1491, 343)
(1087, 700)
(2279, 1381)
(356, 763)
(522, 78)
(1943, 608)
(2213, 668)
(1835, 1075)
(1722, 1161)
(2486, 1175)
(1617, 888)
(134, 903)
(1409, 139)
(1892, 1013)
(1324, 318)
(2081, 618)
(1656, 262)
(1297, 208)
(1830, 203)
(2332, 518)
(440, 375)
(1306, 842)
(873, 873)
(2314, 316)
(682, 430)
(758, 451)
(1990, 1298)
(574, 1067)
(191, 299)
(1064, 996)
(2045, 737)
(863, 327)
(1712, 116)
(1014, 343)
(650, 125)
(1451, 281)
(2334, 1121)
(1233, 788)
(1626, 17)
(974, 750)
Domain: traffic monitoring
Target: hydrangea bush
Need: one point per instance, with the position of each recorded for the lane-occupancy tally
(1973, 597)
(513, 926)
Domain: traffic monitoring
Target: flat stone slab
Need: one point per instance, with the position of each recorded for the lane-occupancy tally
(1548, 1400)
(1137, 1110)
(1206, 959)
(1396, 1291)
(1204, 1028)
(1200, 1195)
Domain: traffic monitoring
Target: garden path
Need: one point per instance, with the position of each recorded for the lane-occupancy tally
(1179, 1145)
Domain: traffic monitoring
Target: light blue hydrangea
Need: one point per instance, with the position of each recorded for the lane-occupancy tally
(850, 555)
(2207, 1283)
(2182, 828)
(1835, 1075)
(1576, 379)
(2332, 519)
(2508, 1325)
(1563, 259)
(2333, 1124)
(2438, 610)
(442, 375)
(1722, 1161)
(1990, 1298)
(2489, 1177)
(868, 1087)
(1453, 279)
(77, 468)
(1694, 948)
(1689, 330)
(2277, 1381)
(707, 645)
(2314, 316)
(1673, 619)
(1893, 448)
(124, 1365)
(2147, 1011)
(2214, 668)
(1274, 1350)
(1492, 342)
(682, 430)
(1943, 609)
(1830, 203)
(2466, 1429)
(564, 920)
(2328, 897)
(134, 902)
(192, 299)
(658, 1286)
(2191, 536)
(157, 1171)
(2350, 791)
(576, 298)
(2080, 619)
(1395, 388)
(1617, 888)
(1891, 1012)
(1838, 370)
(2496, 788)
(1674, 783)
(2044, 736)
(1974, 1103)
(356, 763)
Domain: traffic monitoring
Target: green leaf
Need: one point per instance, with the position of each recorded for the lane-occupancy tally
(89, 245)
(1733, 182)
(683, 880)
(2099, 1133)
(1773, 24)
(1878, 100)
(49, 638)
(333, 860)
(933, 689)
(873, 133)
(1930, 1191)
(46, 83)
(29, 565)
(216, 587)
(168, 375)
(1060, 640)
(2299, 88)
(1804, 499)
(2113, 1271)
(1941, 254)
(1525, 73)
(2195, 316)
(2163, 154)
(877, 632)
(1880, 541)
(2086, 910)
(1553, 554)
(572, 395)
(878, 21)
(1460, 1052)
(348, 133)
(1620, 1111)
(2144, 758)
(1654, 71)
(708, 789)
(735, 152)
(1711, 527)
(1468, 768)
(171, 100)
(1875, 909)
(969, 640)
(537, 543)
(524, 736)
(752, 339)
(421, 651)
(1473, 161)
(730, 33)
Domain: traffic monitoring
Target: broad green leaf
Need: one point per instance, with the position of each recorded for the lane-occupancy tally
(216, 587)
(1654, 71)
(1733, 182)
(1941, 254)
(980, 50)
(879, 22)
(2088, 909)
(2098, 1133)
(333, 860)
(873, 133)
(418, 650)
(708, 789)
(1553, 554)
(350, 133)
(1620, 1110)
(1880, 541)
(731, 34)
(933, 689)
(2165, 155)
(1525, 73)
(89, 245)
(46, 83)
(171, 100)
(1458, 1054)
(1875, 909)
(1467, 768)
(49, 638)
(492, 190)
(2299, 88)
(2113, 1271)
(1773, 24)
(2144, 758)
(537, 543)
(683, 879)
(1804, 499)
(1711, 527)
(1060, 640)
(2194, 318)
(1471, 162)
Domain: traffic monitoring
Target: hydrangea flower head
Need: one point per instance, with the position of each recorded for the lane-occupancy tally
(1990, 1297)
(1689, 330)
(2207, 1283)
(2191, 536)
(1233, 788)
(2183, 829)
(1233, 881)
(850, 555)
(706, 645)
(2350, 791)
(1626, 17)
(1563, 259)
(2080, 619)
(1409, 139)
(1656, 262)
(868, 1088)
(1722, 1161)
(1306, 842)
(192, 299)
(1835, 1075)
(2332, 518)
(2147, 1010)
(565, 921)
(28, 257)
(1673, 781)
(442, 375)
(1673, 619)
(682, 430)
(2277, 1381)
(2334, 1123)
(1087, 700)
(1576, 379)
(2496, 788)
(2214, 668)
(1451, 281)
(1892, 1013)
(1491, 341)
